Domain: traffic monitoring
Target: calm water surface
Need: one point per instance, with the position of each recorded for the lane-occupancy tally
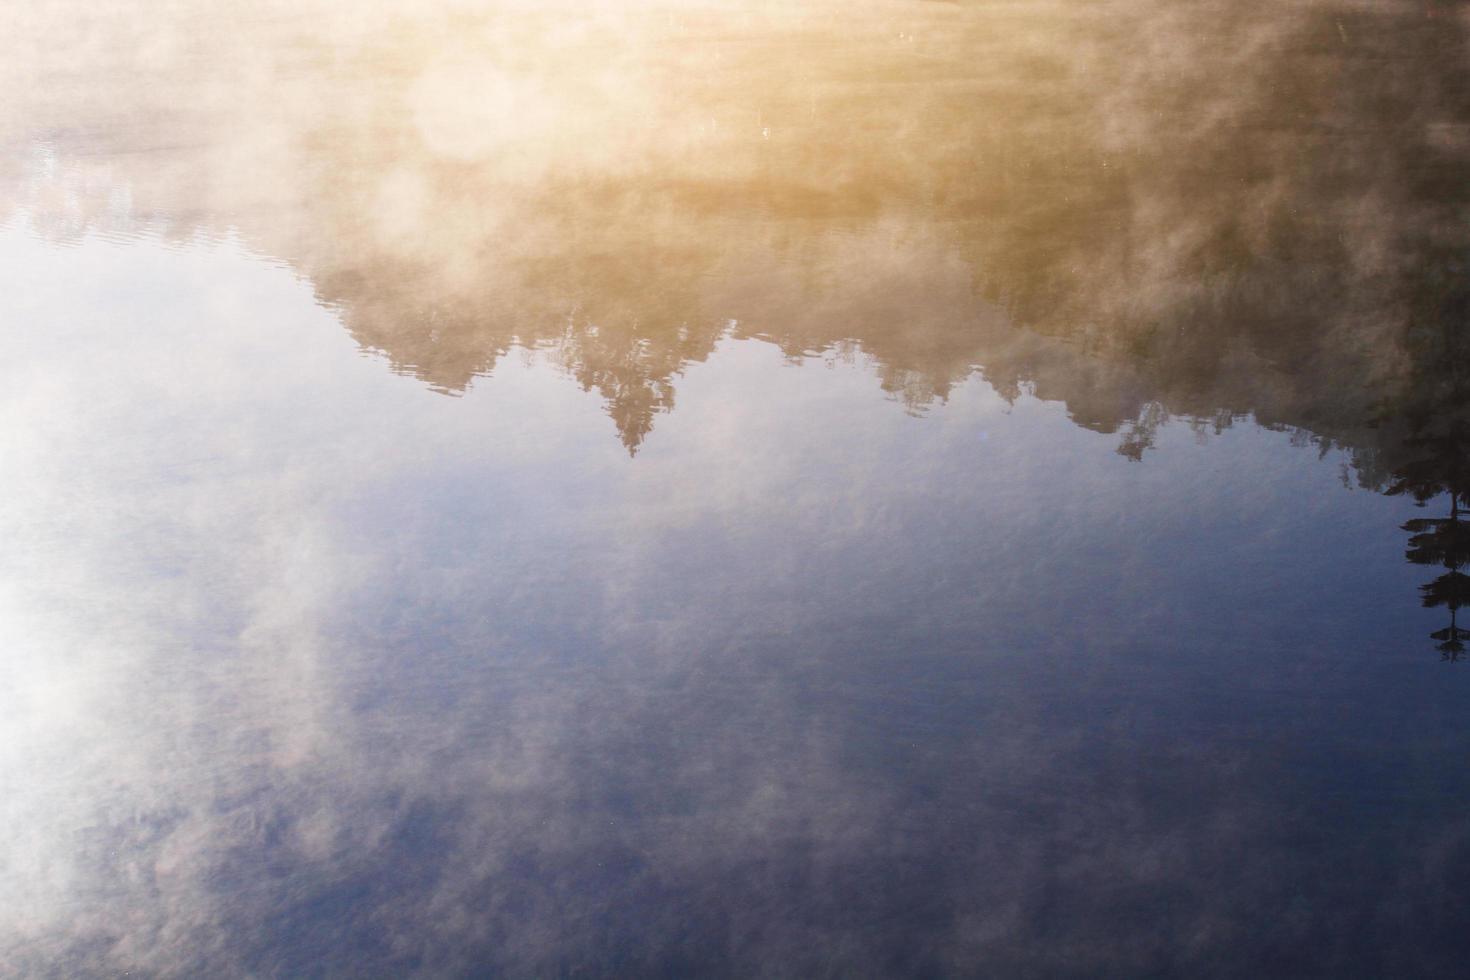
(830, 489)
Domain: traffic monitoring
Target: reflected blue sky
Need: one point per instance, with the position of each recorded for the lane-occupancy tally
(312, 669)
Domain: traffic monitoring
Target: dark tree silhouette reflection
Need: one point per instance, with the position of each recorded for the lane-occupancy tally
(1439, 422)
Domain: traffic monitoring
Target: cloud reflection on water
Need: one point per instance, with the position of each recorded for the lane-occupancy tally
(308, 671)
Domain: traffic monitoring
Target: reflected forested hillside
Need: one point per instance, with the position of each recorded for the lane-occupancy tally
(1144, 210)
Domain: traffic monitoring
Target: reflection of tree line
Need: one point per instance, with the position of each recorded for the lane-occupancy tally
(1149, 212)
(1226, 256)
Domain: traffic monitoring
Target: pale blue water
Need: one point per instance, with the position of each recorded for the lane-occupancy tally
(781, 597)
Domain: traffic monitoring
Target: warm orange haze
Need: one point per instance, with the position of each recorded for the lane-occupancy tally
(994, 563)
(623, 184)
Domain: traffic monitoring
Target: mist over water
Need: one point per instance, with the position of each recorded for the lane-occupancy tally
(845, 488)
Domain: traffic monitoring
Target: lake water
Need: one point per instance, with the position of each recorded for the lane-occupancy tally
(686, 489)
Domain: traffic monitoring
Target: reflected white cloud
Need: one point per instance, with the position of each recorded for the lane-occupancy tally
(313, 669)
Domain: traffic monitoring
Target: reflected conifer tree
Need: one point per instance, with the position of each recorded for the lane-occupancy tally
(1437, 416)
(1444, 541)
(1443, 440)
